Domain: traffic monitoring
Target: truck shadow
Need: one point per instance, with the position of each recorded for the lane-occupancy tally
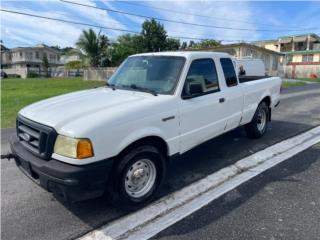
(192, 166)
(284, 172)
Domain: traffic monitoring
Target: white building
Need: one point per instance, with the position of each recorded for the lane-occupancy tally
(20, 60)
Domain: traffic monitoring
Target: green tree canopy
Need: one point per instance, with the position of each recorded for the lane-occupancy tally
(209, 43)
(74, 65)
(93, 45)
(184, 45)
(172, 44)
(154, 36)
(125, 46)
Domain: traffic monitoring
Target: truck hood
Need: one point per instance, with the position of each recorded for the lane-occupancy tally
(61, 110)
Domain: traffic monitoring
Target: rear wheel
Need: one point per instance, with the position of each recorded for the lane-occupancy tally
(137, 177)
(258, 126)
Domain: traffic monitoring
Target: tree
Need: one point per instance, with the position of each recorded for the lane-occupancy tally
(63, 51)
(93, 45)
(45, 64)
(184, 45)
(126, 45)
(208, 43)
(74, 65)
(154, 36)
(191, 44)
(172, 44)
(3, 47)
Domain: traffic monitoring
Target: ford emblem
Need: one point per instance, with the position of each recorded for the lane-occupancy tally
(26, 137)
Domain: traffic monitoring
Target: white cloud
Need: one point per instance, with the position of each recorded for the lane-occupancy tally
(241, 11)
(25, 30)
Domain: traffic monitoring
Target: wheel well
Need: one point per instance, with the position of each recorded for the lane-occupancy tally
(267, 100)
(155, 141)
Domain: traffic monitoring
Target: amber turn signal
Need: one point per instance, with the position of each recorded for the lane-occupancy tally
(84, 149)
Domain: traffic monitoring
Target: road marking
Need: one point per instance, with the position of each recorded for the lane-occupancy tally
(163, 213)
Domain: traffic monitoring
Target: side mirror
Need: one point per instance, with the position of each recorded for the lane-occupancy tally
(195, 89)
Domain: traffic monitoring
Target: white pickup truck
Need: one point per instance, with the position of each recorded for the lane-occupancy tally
(117, 140)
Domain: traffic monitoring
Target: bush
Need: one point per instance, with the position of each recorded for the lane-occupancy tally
(74, 65)
(32, 75)
(14, 76)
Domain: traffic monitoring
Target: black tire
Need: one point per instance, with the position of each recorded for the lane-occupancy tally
(118, 191)
(255, 129)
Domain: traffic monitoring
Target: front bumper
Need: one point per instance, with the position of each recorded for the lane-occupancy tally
(68, 182)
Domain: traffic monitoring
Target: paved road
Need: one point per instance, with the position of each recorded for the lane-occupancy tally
(28, 212)
(282, 203)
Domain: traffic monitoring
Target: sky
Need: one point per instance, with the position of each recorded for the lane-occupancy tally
(265, 20)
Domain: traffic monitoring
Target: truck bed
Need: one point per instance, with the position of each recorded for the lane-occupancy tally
(243, 79)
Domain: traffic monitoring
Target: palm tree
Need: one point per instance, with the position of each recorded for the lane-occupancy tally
(93, 45)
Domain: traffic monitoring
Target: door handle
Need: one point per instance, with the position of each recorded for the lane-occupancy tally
(222, 100)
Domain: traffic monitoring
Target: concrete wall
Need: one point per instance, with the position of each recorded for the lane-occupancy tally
(302, 71)
(21, 72)
(98, 74)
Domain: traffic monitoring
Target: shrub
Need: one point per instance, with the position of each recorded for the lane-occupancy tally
(14, 76)
(32, 75)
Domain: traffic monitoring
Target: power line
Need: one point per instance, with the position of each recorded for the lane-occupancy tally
(67, 21)
(176, 32)
(174, 21)
(205, 16)
(90, 25)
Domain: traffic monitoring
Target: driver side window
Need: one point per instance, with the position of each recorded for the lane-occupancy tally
(202, 72)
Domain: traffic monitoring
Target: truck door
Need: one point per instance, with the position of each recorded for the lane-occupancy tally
(202, 115)
(233, 104)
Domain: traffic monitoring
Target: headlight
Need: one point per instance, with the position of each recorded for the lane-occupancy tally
(73, 147)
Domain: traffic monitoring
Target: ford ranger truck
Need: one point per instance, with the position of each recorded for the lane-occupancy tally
(117, 139)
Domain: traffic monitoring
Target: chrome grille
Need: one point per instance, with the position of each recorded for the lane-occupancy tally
(35, 137)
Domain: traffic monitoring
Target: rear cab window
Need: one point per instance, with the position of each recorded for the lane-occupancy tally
(229, 72)
(202, 71)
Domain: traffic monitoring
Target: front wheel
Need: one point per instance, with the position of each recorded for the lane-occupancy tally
(258, 126)
(137, 177)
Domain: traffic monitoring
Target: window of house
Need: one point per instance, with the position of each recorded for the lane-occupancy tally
(20, 53)
(203, 71)
(52, 57)
(37, 55)
(307, 58)
(229, 72)
(29, 55)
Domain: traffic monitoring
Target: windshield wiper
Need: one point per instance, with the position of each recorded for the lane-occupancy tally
(112, 86)
(147, 90)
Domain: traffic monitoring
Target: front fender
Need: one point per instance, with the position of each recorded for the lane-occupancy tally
(139, 134)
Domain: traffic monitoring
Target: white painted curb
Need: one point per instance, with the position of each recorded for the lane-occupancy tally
(156, 217)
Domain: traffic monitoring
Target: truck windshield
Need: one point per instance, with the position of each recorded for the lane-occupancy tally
(154, 74)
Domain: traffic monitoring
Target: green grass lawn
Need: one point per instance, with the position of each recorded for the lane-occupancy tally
(17, 93)
(310, 79)
(287, 84)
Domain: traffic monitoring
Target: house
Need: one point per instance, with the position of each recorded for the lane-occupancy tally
(22, 60)
(270, 58)
(300, 53)
(71, 56)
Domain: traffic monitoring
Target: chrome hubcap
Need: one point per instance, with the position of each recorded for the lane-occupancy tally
(262, 120)
(140, 178)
